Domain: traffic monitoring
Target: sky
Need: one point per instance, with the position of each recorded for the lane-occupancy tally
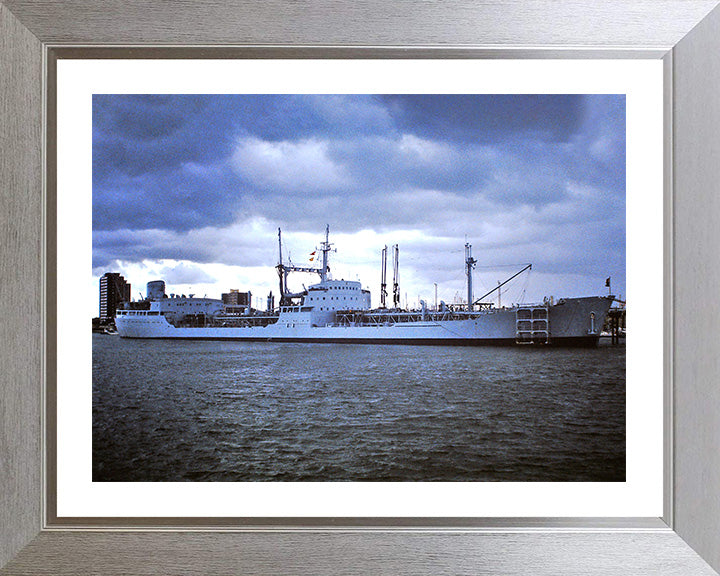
(192, 189)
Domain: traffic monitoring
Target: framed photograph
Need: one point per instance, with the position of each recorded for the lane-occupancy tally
(384, 193)
(317, 379)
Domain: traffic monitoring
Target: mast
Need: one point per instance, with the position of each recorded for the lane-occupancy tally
(469, 265)
(325, 247)
(396, 274)
(383, 277)
(283, 270)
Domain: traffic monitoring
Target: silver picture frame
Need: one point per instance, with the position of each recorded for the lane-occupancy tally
(684, 34)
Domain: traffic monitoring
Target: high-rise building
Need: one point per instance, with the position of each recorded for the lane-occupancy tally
(237, 302)
(237, 298)
(113, 291)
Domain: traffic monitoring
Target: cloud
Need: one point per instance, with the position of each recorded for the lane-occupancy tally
(207, 179)
(251, 242)
(185, 273)
(487, 117)
(292, 167)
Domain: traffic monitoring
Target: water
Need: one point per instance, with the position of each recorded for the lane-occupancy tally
(236, 411)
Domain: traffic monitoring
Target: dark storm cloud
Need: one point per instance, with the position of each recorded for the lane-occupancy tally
(487, 117)
(136, 246)
(161, 160)
(408, 162)
(236, 245)
(184, 198)
(135, 134)
(540, 175)
(601, 143)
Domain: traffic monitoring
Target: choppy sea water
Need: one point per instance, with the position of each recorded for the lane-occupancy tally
(261, 411)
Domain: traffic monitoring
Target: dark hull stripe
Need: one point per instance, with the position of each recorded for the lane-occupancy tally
(575, 341)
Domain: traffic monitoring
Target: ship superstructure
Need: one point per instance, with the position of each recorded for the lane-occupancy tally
(340, 311)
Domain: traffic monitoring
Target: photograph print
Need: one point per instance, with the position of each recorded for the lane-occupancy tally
(359, 288)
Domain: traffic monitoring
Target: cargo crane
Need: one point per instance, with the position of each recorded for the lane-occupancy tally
(396, 275)
(286, 297)
(383, 277)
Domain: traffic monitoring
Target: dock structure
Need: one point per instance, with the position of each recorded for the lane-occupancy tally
(616, 324)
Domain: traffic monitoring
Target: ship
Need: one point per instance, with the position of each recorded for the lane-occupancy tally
(339, 311)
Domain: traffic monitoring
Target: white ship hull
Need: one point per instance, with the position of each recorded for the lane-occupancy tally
(573, 321)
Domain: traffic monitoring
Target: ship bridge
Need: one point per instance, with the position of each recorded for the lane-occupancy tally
(322, 302)
(332, 295)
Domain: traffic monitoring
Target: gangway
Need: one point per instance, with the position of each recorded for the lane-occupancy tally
(532, 324)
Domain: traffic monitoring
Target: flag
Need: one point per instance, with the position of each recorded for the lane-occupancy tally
(312, 255)
(607, 282)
